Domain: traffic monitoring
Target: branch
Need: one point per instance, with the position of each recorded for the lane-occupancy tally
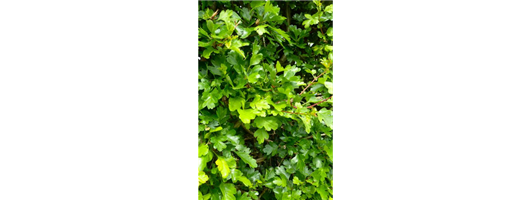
(312, 82)
(214, 14)
(298, 113)
(309, 137)
(260, 159)
(248, 131)
(263, 193)
(319, 102)
(323, 35)
(291, 104)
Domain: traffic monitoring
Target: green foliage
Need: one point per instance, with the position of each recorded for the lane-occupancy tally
(265, 100)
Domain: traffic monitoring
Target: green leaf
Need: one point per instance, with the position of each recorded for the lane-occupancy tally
(330, 32)
(245, 156)
(245, 181)
(222, 165)
(270, 149)
(202, 177)
(256, 59)
(279, 67)
(311, 20)
(253, 78)
(236, 44)
(203, 149)
(236, 103)
(261, 29)
(329, 9)
(261, 135)
(206, 53)
(210, 25)
(246, 115)
(228, 191)
(269, 123)
(256, 4)
(307, 123)
(282, 33)
(225, 15)
(329, 85)
(297, 181)
(326, 116)
(259, 103)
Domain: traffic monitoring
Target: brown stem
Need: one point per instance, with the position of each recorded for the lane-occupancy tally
(281, 161)
(323, 35)
(262, 193)
(312, 82)
(248, 131)
(281, 101)
(259, 160)
(291, 103)
(237, 24)
(214, 14)
(319, 102)
(309, 137)
(297, 113)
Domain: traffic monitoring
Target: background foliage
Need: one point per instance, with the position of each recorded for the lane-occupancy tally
(265, 100)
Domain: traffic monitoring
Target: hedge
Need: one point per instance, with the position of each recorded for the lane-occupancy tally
(265, 100)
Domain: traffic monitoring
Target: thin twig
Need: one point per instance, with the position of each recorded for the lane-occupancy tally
(237, 24)
(296, 113)
(262, 193)
(214, 14)
(323, 35)
(312, 82)
(248, 131)
(319, 102)
(291, 103)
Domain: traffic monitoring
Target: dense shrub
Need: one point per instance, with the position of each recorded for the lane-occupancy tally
(265, 100)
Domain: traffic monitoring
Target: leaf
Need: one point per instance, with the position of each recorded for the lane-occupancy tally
(256, 4)
(222, 165)
(225, 15)
(270, 148)
(256, 59)
(206, 53)
(236, 103)
(245, 156)
(259, 103)
(282, 33)
(307, 123)
(329, 32)
(210, 25)
(329, 85)
(236, 44)
(261, 135)
(245, 181)
(279, 67)
(261, 29)
(214, 70)
(228, 191)
(326, 116)
(311, 20)
(202, 177)
(203, 149)
(269, 123)
(297, 181)
(329, 9)
(253, 78)
(246, 115)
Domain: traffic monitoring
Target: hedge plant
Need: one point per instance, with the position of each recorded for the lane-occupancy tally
(265, 100)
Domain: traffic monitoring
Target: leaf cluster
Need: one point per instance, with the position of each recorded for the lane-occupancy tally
(265, 100)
